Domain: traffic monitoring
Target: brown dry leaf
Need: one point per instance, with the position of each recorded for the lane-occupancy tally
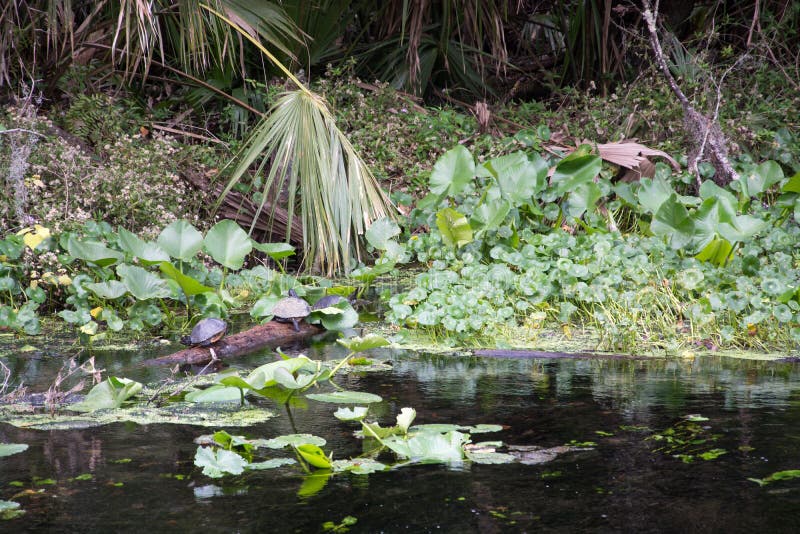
(631, 155)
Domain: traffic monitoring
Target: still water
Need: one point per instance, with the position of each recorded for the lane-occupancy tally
(143, 478)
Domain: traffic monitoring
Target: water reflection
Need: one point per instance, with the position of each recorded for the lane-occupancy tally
(143, 477)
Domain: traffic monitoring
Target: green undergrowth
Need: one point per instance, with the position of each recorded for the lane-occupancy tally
(529, 240)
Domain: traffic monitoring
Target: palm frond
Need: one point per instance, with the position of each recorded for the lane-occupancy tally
(305, 158)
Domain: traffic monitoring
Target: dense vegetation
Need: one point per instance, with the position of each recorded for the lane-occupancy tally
(516, 216)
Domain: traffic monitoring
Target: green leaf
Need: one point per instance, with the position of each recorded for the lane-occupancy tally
(109, 393)
(270, 464)
(113, 289)
(217, 393)
(359, 344)
(381, 231)
(93, 252)
(7, 449)
(345, 397)
(574, 171)
(519, 178)
(793, 184)
(761, 178)
(490, 457)
(314, 456)
(276, 251)
(583, 198)
(454, 227)
(190, 286)
(181, 240)
(430, 447)
(219, 462)
(452, 171)
(357, 413)
(228, 244)
(709, 189)
(143, 284)
(672, 221)
(294, 440)
(654, 192)
(358, 466)
(264, 375)
(148, 252)
(717, 252)
(489, 215)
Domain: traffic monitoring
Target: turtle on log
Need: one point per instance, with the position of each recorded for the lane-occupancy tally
(206, 332)
(291, 309)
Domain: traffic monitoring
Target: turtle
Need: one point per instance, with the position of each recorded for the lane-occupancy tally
(291, 309)
(327, 302)
(206, 332)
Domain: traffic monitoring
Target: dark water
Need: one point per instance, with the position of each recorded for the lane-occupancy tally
(622, 485)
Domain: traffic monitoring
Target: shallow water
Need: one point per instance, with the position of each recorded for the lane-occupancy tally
(623, 485)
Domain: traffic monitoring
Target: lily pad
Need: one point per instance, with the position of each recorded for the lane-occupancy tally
(345, 397)
(270, 464)
(358, 466)
(293, 440)
(217, 463)
(7, 449)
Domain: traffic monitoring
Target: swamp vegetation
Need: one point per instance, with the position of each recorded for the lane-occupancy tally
(537, 178)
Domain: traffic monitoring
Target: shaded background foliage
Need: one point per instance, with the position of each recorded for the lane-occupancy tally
(464, 46)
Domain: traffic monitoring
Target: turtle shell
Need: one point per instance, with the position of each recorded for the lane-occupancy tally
(206, 332)
(327, 302)
(289, 308)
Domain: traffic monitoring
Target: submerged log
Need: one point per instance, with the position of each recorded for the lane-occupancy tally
(270, 334)
(538, 354)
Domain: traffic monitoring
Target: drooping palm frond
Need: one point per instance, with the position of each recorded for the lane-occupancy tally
(304, 158)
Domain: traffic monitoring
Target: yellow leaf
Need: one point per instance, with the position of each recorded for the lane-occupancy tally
(32, 240)
(94, 312)
(33, 237)
(64, 280)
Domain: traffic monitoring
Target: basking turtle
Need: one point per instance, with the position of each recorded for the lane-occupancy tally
(327, 302)
(291, 309)
(206, 332)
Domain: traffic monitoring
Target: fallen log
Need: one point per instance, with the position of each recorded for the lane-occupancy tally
(270, 334)
(538, 354)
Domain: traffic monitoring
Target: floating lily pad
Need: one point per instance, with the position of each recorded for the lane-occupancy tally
(290, 439)
(218, 462)
(345, 397)
(270, 464)
(357, 413)
(7, 449)
(358, 466)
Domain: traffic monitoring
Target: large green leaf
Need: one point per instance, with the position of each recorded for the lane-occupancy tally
(228, 244)
(653, 192)
(672, 220)
(219, 462)
(583, 198)
(454, 227)
(489, 215)
(276, 251)
(760, 178)
(452, 171)
(109, 393)
(345, 397)
(314, 456)
(189, 285)
(143, 284)
(113, 289)
(148, 252)
(430, 447)
(359, 344)
(181, 240)
(518, 176)
(93, 252)
(574, 171)
(381, 231)
(294, 440)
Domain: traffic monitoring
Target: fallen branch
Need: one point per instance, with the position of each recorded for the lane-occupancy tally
(704, 130)
(270, 334)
